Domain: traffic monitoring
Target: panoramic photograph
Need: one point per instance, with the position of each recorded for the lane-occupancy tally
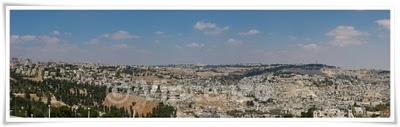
(199, 64)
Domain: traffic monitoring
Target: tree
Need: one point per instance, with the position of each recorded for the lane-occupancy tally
(62, 111)
(163, 110)
(48, 100)
(27, 95)
(309, 113)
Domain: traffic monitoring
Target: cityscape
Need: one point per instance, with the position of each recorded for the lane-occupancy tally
(191, 90)
(199, 64)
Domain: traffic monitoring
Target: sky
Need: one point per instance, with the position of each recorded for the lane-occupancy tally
(344, 38)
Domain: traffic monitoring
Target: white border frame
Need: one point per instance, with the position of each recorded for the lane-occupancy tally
(164, 7)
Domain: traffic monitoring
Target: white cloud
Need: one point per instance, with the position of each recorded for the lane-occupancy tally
(122, 35)
(159, 32)
(41, 44)
(234, 42)
(36, 39)
(310, 46)
(210, 28)
(115, 36)
(292, 38)
(194, 45)
(22, 38)
(217, 30)
(49, 39)
(55, 32)
(120, 46)
(346, 36)
(384, 23)
(204, 25)
(59, 33)
(250, 32)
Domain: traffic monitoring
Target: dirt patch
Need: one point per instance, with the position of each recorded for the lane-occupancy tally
(208, 74)
(54, 102)
(37, 78)
(141, 105)
(220, 102)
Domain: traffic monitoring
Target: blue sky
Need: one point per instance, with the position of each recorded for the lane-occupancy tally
(353, 39)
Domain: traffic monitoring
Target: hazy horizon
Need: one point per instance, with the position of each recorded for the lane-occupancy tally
(115, 64)
(349, 39)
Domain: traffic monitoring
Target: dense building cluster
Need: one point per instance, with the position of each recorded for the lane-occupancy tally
(240, 90)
